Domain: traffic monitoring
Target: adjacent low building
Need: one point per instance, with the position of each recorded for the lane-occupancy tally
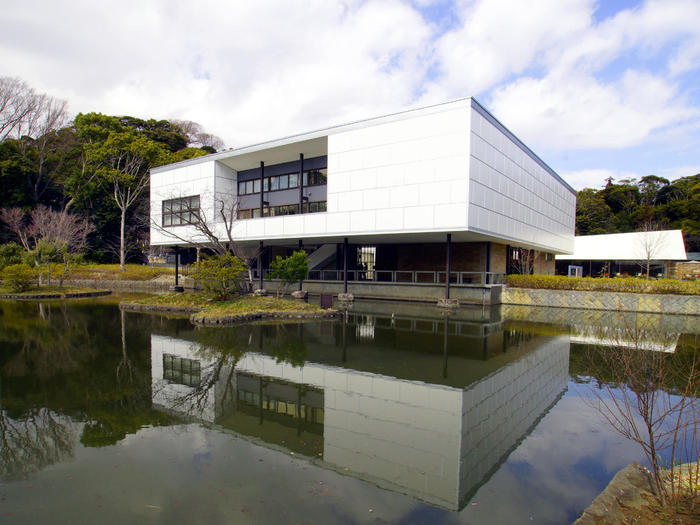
(390, 205)
(624, 254)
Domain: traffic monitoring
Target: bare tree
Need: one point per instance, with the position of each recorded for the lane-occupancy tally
(65, 231)
(524, 260)
(17, 102)
(16, 221)
(206, 233)
(196, 136)
(651, 245)
(650, 398)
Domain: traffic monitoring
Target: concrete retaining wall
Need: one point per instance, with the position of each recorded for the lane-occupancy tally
(625, 302)
(467, 294)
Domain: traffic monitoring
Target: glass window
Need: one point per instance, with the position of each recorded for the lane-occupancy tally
(284, 182)
(241, 188)
(294, 180)
(274, 184)
(249, 186)
(181, 211)
(266, 185)
(256, 186)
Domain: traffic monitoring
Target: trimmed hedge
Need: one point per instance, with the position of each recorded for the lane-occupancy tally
(599, 284)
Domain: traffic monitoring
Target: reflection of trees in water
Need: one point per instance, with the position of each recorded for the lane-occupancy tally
(66, 358)
(38, 439)
(51, 339)
(220, 349)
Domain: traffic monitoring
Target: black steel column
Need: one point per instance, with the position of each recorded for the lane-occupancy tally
(447, 265)
(345, 265)
(262, 187)
(488, 262)
(177, 261)
(301, 183)
(301, 245)
(260, 266)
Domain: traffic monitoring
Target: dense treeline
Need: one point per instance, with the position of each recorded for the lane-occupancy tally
(94, 166)
(650, 203)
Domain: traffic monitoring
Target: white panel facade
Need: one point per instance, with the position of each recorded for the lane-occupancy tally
(407, 175)
(194, 179)
(512, 196)
(445, 168)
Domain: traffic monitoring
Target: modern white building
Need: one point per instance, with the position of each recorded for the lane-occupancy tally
(385, 199)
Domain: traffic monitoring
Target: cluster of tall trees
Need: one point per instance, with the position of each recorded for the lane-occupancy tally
(651, 202)
(93, 166)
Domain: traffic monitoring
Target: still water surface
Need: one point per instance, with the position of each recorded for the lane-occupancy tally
(393, 414)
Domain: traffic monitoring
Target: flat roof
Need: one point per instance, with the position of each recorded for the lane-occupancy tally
(314, 139)
(664, 245)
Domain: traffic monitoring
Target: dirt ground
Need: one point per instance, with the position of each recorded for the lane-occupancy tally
(687, 512)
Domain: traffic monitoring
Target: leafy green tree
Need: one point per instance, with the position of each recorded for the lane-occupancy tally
(593, 215)
(290, 269)
(121, 157)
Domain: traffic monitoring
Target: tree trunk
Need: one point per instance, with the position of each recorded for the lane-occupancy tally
(122, 250)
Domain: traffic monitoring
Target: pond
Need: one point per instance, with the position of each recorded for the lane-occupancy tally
(394, 413)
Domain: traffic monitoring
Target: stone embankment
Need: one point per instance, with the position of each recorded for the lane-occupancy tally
(627, 489)
(46, 296)
(260, 316)
(615, 301)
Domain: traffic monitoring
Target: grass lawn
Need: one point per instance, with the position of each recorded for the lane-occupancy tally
(111, 272)
(241, 305)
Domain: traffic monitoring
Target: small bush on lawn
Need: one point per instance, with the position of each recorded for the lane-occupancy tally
(18, 277)
(290, 269)
(593, 284)
(221, 276)
(10, 253)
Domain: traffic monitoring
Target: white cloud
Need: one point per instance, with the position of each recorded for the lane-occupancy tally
(250, 71)
(577, 111)
(246, 71)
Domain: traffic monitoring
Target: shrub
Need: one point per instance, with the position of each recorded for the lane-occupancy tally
(630, 284)
(221, 275)
(290, 269)
(10, 253)
(19, 277)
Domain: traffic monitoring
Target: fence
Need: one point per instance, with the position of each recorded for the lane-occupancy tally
(400, 276)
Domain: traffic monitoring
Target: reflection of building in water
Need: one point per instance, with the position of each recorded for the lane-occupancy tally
(436, 440)
(644, 331)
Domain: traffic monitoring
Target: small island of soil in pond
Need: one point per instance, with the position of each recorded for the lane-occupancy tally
(206, 311)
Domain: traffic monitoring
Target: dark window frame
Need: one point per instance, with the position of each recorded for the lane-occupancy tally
(318, 177)
(182, 211)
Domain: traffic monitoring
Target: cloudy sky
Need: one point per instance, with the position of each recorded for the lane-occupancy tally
(596, 88)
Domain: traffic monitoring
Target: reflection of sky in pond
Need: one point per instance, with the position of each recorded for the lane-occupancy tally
(147, 465)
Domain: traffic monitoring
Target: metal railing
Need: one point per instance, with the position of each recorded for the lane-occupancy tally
(400, 276)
